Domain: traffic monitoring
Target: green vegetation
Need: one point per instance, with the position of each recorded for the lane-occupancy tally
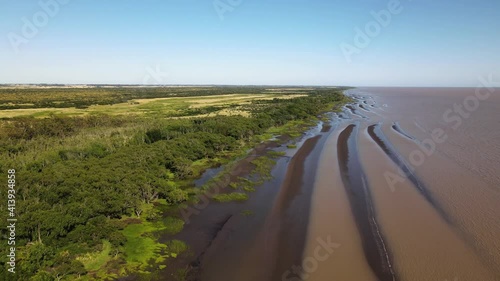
(276, 154)
(260, 173)
(94, 261)
(140, 248)
(93, 190)
(20, 98)
(263, 166)
(173, 225)
(228, 197)
(249, 189)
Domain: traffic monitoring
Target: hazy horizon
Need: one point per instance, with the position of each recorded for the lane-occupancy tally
(244, 85)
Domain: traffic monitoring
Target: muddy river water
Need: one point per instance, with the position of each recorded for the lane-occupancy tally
(409, 187)
(403, 184)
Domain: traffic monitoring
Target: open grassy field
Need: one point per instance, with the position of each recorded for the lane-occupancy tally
(232, 104)
(82, 97)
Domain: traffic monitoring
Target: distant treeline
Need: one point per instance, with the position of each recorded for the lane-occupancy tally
(24, 98)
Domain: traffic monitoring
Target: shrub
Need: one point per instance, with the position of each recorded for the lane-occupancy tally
(177, 196)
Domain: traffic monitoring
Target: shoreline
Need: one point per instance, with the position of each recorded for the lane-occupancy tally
(214, 224)
(218, 220)
(208, 231)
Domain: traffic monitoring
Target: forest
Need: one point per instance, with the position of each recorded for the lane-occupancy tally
(92, 190)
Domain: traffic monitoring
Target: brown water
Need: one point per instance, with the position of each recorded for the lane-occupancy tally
(403, 184)
(409, 187)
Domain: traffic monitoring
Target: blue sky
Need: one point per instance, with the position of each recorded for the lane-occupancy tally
(273, 42)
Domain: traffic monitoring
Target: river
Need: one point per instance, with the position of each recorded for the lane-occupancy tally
(403, 184)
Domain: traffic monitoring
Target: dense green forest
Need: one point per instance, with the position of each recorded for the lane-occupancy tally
(90, 190)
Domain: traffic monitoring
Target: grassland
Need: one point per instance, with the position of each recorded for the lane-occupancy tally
(235, 104)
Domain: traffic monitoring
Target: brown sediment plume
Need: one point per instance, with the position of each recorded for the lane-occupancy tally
(378, 137)
(423, 245)
(280, 244)
(460, 178)
(293, 231)
(375, 248)
(331, 216)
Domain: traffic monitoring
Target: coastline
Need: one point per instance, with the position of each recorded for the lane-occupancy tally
(209, 232)
(254, 237)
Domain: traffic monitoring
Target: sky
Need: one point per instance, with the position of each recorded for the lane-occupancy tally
(250, 42)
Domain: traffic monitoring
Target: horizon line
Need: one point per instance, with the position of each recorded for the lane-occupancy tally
(225, 85)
